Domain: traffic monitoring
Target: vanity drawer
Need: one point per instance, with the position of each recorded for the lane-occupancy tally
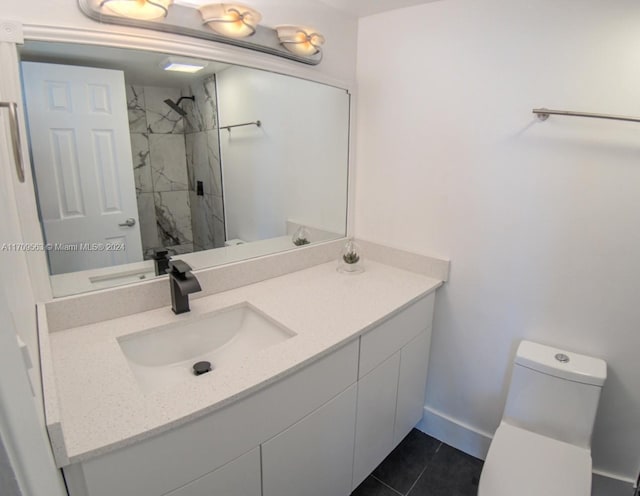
(155, 466)
(387, 338)
(241, 477)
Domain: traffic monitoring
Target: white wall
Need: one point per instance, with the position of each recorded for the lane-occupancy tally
(541, 220)
(293, 167)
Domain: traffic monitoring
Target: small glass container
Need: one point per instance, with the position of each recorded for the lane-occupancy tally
(350, 259)
(301, 236)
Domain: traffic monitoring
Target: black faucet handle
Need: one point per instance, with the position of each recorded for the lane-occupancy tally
(160, 254)
(179, 267)
(161, 261)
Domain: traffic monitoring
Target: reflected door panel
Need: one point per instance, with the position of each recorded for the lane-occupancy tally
(82, 161)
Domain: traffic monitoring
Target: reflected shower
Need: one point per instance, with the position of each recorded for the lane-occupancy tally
(176, 105)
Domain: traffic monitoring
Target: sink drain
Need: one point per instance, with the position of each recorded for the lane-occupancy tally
(201, 368)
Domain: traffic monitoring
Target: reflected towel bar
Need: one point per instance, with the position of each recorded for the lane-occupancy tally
(543, 114)
(15, 137)
(256, 123)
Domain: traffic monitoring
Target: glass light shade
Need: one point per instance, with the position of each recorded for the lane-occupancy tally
(300, 40)
(138, 9)
(231, 20)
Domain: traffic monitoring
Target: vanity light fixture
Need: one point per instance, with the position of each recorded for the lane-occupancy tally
(177, 65)
(300, 40)
(228, 23)
(232, 20)
(138, 9)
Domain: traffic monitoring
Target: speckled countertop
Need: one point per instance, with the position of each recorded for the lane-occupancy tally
(93, 401)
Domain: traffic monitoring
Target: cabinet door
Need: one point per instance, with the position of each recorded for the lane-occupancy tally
(375, 418)
(240, 477)
(414, 359)
(394, 333)
(313, 457)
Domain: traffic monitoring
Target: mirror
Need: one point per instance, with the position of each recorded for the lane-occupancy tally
(134, 163)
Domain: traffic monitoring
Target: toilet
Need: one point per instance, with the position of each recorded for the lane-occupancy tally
(543, 443)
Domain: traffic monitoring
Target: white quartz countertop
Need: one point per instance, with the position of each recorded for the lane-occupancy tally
(99, 406)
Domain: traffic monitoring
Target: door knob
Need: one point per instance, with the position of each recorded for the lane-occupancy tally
(130, 222)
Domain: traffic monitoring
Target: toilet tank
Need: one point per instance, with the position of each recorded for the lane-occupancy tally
(555, 393)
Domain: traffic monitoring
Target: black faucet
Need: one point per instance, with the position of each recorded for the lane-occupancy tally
(161, 261)
(182, 283)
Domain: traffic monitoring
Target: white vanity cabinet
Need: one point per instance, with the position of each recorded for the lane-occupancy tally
(240, 477)
(168, 461)
(314, 456)
(316, 432)
(377, 393)
(391, 385)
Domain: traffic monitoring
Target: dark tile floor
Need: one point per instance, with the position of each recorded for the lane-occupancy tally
(423, 466)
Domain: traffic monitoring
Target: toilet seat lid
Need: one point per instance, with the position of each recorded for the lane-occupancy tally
(529, 464)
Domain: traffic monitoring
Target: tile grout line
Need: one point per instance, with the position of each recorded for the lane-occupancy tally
(386, 485)
(424, 469)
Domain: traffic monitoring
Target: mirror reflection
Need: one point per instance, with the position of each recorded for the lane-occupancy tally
(134, 163)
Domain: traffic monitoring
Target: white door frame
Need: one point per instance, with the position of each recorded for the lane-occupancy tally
(21, 411)
(21, 194)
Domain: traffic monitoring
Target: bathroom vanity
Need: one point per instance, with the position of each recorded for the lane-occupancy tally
(312, 413)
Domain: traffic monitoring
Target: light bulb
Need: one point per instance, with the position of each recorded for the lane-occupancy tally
(138, 9)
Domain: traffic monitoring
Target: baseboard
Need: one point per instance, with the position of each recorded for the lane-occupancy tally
(608, 484)
(475, 442)
(455, 433)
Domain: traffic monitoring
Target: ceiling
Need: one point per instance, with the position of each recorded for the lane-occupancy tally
(139, 67)
(364, 8)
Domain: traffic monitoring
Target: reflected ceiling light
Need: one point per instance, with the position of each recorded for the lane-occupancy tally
(138, 9)
(177, 65)
(232, 20)
(300, 40)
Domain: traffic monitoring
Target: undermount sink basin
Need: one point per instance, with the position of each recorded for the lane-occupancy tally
(165, 355)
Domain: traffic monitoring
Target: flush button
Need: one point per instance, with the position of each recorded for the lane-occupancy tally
(562, 358)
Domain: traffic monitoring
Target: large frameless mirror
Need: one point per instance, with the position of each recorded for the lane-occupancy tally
(134, 163)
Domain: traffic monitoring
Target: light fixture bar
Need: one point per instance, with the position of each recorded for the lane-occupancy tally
(187, 21)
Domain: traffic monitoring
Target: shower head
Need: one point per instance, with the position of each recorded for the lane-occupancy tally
(176, 105)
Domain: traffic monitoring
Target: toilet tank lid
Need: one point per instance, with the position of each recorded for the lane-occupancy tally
(562, 363)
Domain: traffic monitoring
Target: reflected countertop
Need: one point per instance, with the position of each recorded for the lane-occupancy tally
(83, 281)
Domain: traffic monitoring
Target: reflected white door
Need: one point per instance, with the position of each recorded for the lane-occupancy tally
(82, 161)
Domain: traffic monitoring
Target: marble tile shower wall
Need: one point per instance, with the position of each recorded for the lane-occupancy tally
(203, 164)
(171, 214)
